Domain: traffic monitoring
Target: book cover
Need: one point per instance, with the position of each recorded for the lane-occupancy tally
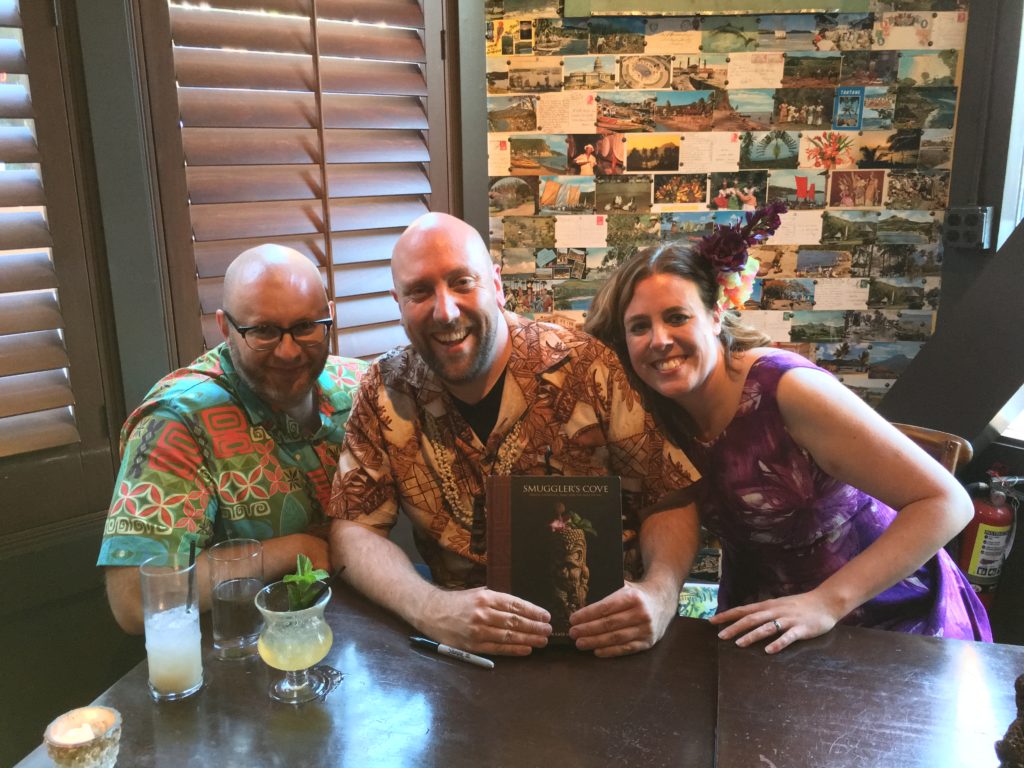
(555, 541)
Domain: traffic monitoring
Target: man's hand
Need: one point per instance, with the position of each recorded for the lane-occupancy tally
(483, 621)
(630, 620)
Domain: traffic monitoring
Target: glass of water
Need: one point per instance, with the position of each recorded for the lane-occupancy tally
(236, 575)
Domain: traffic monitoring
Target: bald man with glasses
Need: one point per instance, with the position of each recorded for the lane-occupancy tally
(243, 442)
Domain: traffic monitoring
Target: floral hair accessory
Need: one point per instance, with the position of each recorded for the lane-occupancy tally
(726, 249)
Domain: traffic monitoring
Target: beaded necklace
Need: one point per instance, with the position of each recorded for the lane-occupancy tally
(507, 455)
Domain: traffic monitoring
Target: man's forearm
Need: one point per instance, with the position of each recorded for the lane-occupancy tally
(124, 586)
(668, 545)
(379, 569)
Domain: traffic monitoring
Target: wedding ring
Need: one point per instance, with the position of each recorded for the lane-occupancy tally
(778, 627)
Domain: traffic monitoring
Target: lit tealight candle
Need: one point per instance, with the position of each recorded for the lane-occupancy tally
(75, 735)
(88, 737)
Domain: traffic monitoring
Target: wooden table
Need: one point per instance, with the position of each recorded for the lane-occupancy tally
(399, 706)
(852, 698)
(862, 697)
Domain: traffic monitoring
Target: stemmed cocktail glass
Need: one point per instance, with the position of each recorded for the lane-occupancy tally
(294, 641)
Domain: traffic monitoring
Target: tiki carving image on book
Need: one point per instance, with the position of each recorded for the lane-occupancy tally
(555, 541)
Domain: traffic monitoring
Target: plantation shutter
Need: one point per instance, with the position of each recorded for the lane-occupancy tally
(39, 230)
(278, 100)
(56, 457)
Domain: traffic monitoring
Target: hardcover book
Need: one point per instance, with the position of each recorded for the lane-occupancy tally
(555, 541)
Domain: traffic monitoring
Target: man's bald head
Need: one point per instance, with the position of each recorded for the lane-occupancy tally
(269, 264)
(432, 232)
(271, 285)
(450, 296)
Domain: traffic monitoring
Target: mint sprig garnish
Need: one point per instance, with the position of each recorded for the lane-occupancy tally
(304, 584)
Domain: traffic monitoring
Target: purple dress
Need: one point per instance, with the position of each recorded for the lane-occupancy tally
(785, 525)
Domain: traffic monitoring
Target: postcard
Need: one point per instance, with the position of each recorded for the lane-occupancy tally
(786, 32)
(529, 231)
(810, 69)
(652, 152)
(566, 194)
(928, 68)
(775, 325)
(588, 73)
(518, 261)
(762, 69)
(561, 37)
(847, 113)
(905, 30)
(567, 112)
(673, 35)
(511, 114)
(798, 228)
(845, 360)
(748, 109)
(531, 74)
(499, 156)
(856, 189)
(623, 194)
(827, 326)
(879, 108)
(811, 261)
(639, 72)
(698, 72)
(776, 260)
(581, 231)
(512, 196)
(680, 191)
(904, 293)
(890, 360)
(799, 188)
(921, 190)
(770, 149)
(949, 30)
(841, 293)
(725, 34)
(791, 294)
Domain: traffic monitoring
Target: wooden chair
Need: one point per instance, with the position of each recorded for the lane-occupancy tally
(951, 451)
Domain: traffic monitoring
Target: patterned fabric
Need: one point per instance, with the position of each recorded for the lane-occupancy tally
(566, 397)
(205, 459)
(786, 526)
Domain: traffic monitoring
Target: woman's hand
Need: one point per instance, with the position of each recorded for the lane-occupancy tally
(786, 619)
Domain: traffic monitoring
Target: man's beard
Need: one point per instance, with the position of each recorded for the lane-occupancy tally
(280, 398)
(477, 365)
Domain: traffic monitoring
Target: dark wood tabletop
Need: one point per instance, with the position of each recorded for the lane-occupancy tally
(401, 706)
(854, 697)
(866, 698)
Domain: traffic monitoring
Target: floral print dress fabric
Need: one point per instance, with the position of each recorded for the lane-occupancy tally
(786, 525)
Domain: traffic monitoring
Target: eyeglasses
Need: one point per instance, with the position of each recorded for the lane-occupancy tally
(263, 338)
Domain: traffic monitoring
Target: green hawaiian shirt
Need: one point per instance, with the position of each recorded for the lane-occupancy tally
(204, 459)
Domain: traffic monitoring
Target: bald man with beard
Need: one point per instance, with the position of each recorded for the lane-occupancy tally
(243, 442)
(482, 391)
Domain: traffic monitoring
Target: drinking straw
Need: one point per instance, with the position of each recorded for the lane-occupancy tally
(191, 574)
(324, 584)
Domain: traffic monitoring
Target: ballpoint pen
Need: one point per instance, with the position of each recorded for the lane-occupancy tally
(455, 653)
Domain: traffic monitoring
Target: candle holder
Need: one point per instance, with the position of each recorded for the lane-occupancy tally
(88, 737)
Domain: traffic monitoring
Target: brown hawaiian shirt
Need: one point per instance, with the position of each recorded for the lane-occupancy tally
(567, 408)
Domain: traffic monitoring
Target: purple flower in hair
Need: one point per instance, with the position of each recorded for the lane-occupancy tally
(726, 247)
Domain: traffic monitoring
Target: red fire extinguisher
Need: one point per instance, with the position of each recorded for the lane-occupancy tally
(986, 541)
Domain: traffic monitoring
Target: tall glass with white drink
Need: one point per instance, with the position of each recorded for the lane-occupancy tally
(170, 605)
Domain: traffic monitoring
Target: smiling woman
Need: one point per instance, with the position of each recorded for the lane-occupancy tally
(826, 513)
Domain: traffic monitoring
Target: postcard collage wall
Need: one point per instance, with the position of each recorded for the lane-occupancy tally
(608, 133)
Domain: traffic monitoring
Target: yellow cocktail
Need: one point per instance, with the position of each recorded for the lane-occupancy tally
(294, 641)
